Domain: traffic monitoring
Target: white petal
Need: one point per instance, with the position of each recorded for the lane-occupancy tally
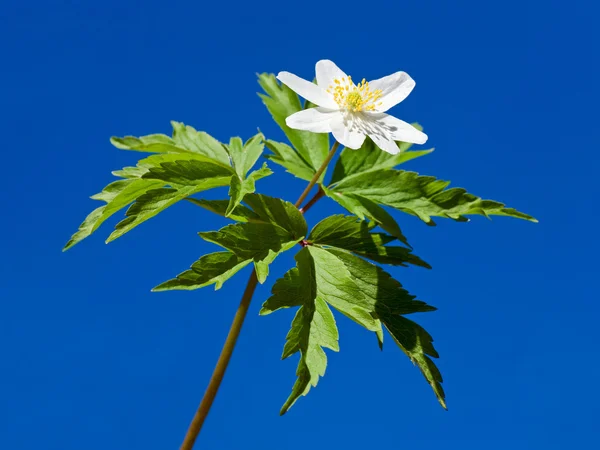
(326, 72)
(346, 132)
(308, 90)
(312, 119)
(395, 129)
(395, 88)
(385, 143)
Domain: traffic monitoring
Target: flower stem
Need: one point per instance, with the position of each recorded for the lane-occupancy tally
(236, 326)
(314, 180)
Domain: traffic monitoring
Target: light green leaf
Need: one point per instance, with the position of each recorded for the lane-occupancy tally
(153, 143)
(348, 233)
(157, 200)
(370, 158)
(286, 156)
(239, 188)
(117, 195)
(214, 268)
(185, 140)
(422, 196)
(200, 142)
(313, 327)
(282, 102)
(319, 278)
(388, 300)
(244, 156)
(336, 287)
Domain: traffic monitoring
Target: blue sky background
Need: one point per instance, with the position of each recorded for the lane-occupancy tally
(508, 93)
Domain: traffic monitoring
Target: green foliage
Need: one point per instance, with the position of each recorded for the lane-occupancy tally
(286, 156)
(188, 163)
(310, 148)
(244, 156)
(360, 290)
(348, 233)
(214, 268)
(422, 196)
(185, 140)
(276, 226)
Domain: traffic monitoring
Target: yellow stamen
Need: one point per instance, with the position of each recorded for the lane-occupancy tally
(355, 98)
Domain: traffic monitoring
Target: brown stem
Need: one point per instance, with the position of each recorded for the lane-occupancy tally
(236, 326)
(312, 201)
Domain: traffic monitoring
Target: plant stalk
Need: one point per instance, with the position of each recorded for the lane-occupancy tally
(236, 326)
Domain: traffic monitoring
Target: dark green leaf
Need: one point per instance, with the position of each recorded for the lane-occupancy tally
(364, 208)
(417, 344)
(278, 212)
(348, 233)
(259, 241)
(239, 214)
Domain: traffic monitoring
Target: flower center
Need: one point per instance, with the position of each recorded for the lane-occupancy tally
(354, 98)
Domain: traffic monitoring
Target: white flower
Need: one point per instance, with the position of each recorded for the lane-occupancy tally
(351, 111)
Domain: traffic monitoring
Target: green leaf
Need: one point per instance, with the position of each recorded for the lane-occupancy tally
(244, 156)
(265, 209)
(370, 158)
(188, 169)
(364, 208)
(389, 300)
(313, 327)
(157, 200)
(286, 156)
(239, 214)
(200, 142)
(278, 212)
(185, 140)
(348, 233)
(282, 102)
(117, 195)
(417, 344)
(153, 143)
(214, 268)
(422, 196)
(279, 227)
(238, 188)
(272, 228)
(336, 286)
(319, 278)
(384, 294)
